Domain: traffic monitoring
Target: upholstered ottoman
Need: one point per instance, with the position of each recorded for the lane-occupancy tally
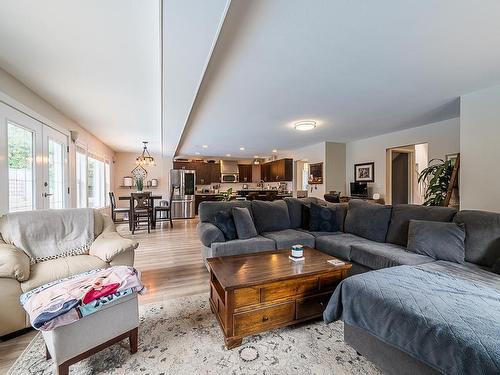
(112, 323)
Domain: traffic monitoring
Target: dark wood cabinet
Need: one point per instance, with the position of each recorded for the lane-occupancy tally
(245, 172)
(198, 198)
(277, 170)
(206, 173)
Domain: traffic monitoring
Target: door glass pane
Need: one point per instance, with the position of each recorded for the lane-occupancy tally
(95, 180)
(21, 168)
(81, 179)
(56, 175)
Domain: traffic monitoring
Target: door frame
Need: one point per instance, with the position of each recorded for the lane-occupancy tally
(411, 171)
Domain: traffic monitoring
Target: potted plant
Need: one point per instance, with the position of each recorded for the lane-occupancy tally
(139, 183)
(437, 178)
(226, 195)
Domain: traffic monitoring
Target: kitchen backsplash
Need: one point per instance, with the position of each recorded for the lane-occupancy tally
(239, 186)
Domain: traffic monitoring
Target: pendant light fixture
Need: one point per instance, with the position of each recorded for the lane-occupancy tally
(145, 159)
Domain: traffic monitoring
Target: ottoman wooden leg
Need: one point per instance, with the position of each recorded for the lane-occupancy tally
(63, 369)
(133, 339)
(47, 353)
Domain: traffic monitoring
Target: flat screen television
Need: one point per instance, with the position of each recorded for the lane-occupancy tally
(359, 189)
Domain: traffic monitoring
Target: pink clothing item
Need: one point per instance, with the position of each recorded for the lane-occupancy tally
(103, 291)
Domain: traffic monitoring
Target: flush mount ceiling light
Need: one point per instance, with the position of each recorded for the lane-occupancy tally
(305, 125)
(228, 155)
(242, 148)
(275, 151)
(205, 146)
(145, 159)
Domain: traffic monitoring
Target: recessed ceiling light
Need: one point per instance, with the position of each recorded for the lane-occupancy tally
(228, 155)
(242, 148)
(275, 150)
(205, 146)
(196, 153)
(256, 156)
(305, 125)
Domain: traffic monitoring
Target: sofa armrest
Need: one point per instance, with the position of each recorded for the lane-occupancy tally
(209, 234)
(14, 263)
(110, 244)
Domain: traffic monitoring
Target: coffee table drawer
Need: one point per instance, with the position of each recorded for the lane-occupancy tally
(330, 282)
(263, 319)
(312, 306)
(289, 288)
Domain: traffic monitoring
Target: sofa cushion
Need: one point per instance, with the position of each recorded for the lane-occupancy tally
(270, 216)
(55, 269)
(403, 213)
(368, 220)
(288, 237)
(224, 221)
(207, 210)
(236, 247)
(482, 236)
(377, 255)
(323, 218)
(341, 210)
(315, 234)
(440, 241)
(244, 223)
(339, 244)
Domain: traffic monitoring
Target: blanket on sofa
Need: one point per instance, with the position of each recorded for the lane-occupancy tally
(49, 234)
(447, 322)
(65, 301)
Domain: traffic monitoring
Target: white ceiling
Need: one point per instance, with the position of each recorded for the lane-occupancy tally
(359, 68)
(98, 61)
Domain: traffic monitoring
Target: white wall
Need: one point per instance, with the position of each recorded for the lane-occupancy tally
(442, 137)
(479, 147)
(16, 94)
(335, 167)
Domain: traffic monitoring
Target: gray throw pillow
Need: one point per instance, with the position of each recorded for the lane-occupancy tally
(438, 240)
(244, 223)
(323, 219)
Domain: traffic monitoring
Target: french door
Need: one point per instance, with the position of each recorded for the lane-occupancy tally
(33, 163)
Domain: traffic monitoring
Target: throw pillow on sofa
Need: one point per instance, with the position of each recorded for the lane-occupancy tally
(244, 223)
(438, 240)
(322, 219)
(270, 216)
(224, 221)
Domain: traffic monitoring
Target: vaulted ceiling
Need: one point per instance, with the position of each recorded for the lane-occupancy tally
(238, 74)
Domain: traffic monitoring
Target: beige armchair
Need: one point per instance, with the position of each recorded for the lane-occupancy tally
(17, 276)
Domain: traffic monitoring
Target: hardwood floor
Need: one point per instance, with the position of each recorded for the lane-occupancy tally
(171, 266)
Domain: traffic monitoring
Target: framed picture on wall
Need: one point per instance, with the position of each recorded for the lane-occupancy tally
(364, 172)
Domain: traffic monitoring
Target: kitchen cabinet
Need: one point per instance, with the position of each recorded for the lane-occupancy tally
(245, 172)
(277, 170)
(206, 173)
(198, 198)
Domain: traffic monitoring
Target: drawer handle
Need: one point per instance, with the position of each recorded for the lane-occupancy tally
(322, 303)
(265, 318)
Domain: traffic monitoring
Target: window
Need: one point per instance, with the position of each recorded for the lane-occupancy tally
(93, 180)
(21, 168)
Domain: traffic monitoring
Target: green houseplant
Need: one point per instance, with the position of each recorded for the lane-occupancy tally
(226, 195)
(139, 183)
(437, 178)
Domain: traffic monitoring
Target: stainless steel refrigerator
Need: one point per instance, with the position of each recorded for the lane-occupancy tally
(183, 186)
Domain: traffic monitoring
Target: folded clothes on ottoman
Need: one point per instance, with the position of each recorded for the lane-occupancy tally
(65, 301)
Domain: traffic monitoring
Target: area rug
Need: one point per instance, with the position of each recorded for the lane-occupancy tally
(182, 336)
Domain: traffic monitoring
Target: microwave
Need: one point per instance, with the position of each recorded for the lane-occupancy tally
(229, 177)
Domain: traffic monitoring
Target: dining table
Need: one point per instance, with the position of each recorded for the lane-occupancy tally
(152, 199)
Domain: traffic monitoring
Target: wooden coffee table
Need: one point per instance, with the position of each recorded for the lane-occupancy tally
(258, 292)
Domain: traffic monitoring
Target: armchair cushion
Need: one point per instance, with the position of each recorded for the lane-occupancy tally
(14, 263)
(110, 244)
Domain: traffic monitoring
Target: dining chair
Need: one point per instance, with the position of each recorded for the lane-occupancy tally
(141, 209)
(116, 210)
(167, 209)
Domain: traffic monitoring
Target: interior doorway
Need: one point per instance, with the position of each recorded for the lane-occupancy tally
(403, 165)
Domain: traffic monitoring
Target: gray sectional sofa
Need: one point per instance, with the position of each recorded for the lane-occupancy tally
(413, 314)
(370, 236)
